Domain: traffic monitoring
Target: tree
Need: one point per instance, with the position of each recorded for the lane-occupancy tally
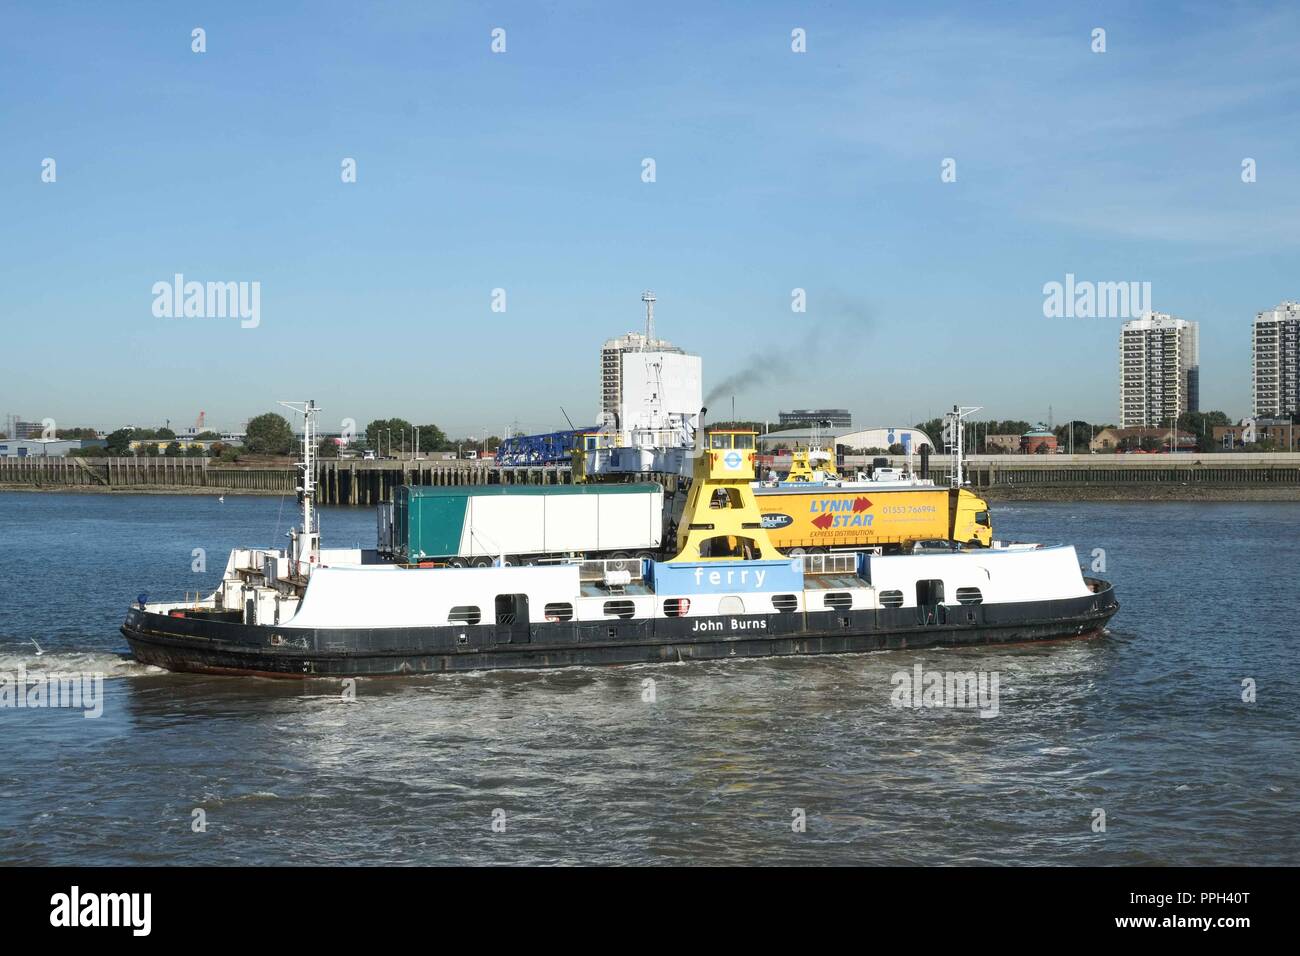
(432, 438)
(329, 448)
(206, 436)
(173, 449)
(165, 433)
(934, 429)
(1082, 435)
(269, 434)
(1202, 425)
(384, 434)
(119, 442)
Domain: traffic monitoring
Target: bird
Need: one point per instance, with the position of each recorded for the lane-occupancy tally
(221, 499)
(39, 650)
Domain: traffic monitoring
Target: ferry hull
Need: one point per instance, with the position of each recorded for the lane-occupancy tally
(206, 645)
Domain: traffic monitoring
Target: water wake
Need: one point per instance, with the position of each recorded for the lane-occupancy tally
(47, 662)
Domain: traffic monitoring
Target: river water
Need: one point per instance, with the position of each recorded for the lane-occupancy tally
(1146, 725)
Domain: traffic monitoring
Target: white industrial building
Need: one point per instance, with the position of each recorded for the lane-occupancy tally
(44, 447)
(1159, 378)
(1275, 361)
(649, 385)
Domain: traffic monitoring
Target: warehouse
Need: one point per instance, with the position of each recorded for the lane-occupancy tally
(45, 447)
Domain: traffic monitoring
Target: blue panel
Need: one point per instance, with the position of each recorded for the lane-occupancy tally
(726, 577)
(551, 448)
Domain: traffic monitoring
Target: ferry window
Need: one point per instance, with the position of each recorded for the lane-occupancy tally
(969, 596)
(719, 441)
(839, 601)
(677, 607)
(465, 614)
(623, 609)
(785, 603)
(731, 605)
(559, 611)
(744, 441)
(982, 517)
(891, 598)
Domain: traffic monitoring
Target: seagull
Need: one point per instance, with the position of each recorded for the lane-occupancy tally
(221, 499)
(39, 650)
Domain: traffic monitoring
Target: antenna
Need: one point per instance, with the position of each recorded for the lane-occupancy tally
(648, 298)
(306, 540)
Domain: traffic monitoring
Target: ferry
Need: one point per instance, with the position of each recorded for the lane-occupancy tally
(308, 611)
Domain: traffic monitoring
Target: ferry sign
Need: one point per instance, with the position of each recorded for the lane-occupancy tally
(718, 577)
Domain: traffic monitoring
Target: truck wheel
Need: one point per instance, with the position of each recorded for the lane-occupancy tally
(480, 562)
(796, 552)
(455, 562)
(619, 561)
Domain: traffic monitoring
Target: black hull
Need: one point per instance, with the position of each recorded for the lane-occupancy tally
(212, 646)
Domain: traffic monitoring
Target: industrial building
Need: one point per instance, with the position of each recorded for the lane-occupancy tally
(1275, 361)
(651, 392)
(15, 427)
(613, 361)
(1159, 358)
(649, 384)
(831, 417)
(45, 447)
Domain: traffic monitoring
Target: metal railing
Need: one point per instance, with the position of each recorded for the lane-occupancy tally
(845, 562)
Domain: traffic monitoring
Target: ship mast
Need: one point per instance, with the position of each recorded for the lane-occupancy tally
(305, 550)
(954, 438)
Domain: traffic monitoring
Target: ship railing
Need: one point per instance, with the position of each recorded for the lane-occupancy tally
(602, 570)
(843, 562)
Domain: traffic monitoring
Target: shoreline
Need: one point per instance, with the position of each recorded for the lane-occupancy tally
(995, 494)
(212, 490)
(1144, 492)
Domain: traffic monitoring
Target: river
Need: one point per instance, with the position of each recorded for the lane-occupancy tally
(1147, 725)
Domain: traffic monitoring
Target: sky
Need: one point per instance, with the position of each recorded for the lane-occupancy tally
(523, 171)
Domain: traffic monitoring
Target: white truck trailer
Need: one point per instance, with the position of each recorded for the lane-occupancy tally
(475, 525)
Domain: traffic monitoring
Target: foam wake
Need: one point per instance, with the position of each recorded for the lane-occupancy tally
(12, 656)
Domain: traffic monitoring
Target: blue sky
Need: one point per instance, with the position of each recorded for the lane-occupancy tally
(522, 171)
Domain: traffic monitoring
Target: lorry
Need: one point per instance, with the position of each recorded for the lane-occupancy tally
(477, 525)
(854, 515)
